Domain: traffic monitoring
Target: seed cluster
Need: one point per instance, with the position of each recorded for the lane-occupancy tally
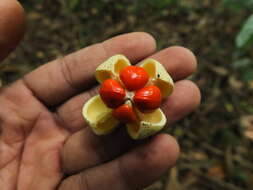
(134, 79)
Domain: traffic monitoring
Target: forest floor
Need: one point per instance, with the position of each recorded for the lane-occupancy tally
(215, 140)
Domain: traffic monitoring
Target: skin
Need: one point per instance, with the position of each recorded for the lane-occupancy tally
(41, 149)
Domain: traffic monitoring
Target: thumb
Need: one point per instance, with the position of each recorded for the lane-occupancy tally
(12, 26)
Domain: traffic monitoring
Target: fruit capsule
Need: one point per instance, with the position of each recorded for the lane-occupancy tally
(112, 93)
(148, 99)
(125, 114)
(134, 77)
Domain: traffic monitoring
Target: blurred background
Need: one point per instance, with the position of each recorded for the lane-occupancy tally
(216, 140)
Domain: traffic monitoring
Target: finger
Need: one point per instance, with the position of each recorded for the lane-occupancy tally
(84, 149)
(11, 26)
(63, 78)
(179, 62)
(134, 170)
(185, 98)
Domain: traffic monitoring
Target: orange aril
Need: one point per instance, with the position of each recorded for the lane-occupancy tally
(148, 99)
(125, 114)
(112, 93)
(134, 77)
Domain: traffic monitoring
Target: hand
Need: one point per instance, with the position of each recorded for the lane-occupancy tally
(49, 150)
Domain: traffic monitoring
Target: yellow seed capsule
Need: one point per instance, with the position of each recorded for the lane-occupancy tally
(142, 116)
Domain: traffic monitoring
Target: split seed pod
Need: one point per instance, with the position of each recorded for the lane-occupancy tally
(130, 95)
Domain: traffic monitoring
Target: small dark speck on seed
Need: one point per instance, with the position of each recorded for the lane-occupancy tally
(158, 75)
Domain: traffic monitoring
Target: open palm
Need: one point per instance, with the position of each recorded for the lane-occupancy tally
(44, 141)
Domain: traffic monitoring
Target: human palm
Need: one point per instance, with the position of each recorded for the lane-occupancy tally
(44, 142)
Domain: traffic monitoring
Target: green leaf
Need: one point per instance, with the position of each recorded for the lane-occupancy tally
(245, 36)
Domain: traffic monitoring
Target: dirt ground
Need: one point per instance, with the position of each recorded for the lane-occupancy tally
(215, 140)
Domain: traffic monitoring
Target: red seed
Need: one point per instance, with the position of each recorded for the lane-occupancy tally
(125, 114)
(148, 99)
(134, 77)
(112, 93)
